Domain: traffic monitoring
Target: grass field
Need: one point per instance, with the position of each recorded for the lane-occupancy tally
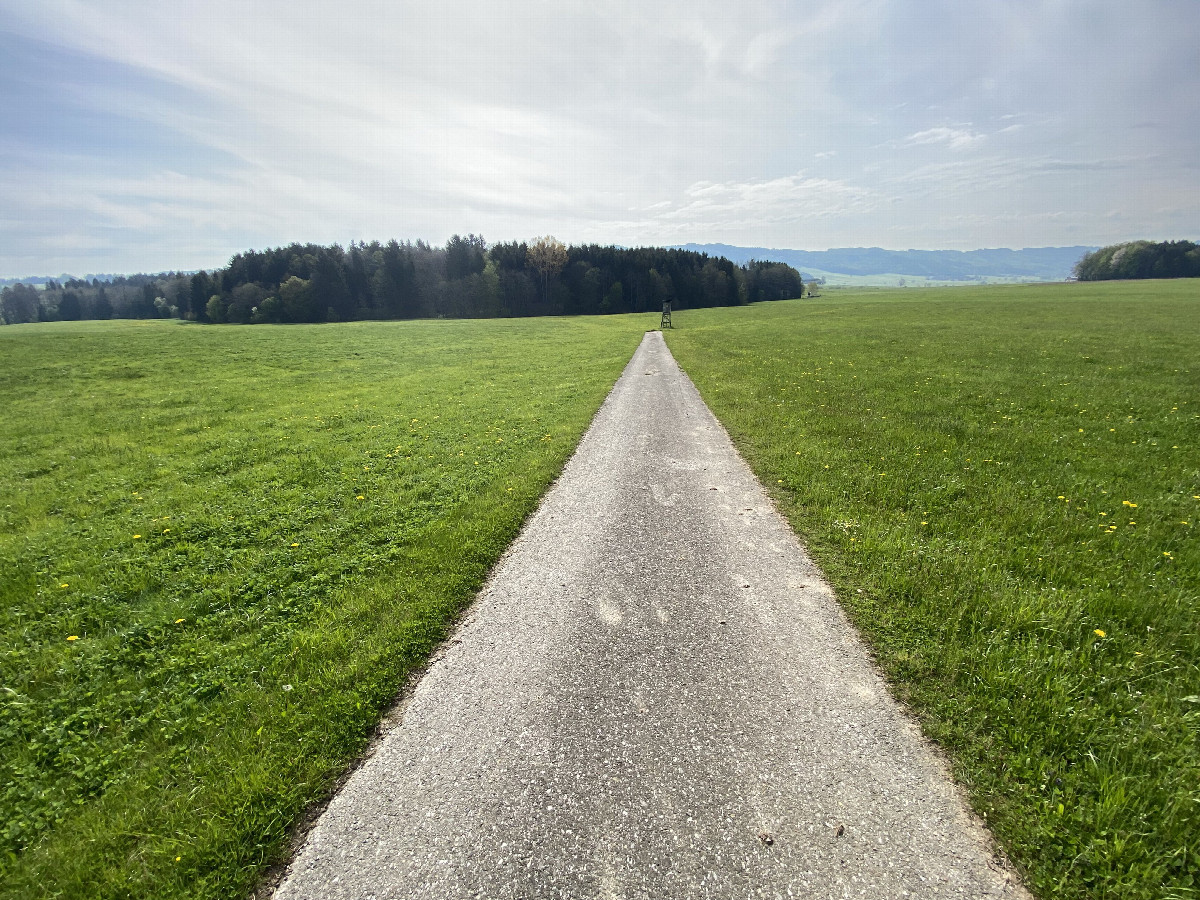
(221, 552)
(1004, 486)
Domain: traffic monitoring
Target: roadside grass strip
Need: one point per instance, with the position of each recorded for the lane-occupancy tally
(1003, 485)
(221, 552)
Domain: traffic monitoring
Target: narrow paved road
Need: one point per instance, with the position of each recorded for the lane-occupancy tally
(656, 696)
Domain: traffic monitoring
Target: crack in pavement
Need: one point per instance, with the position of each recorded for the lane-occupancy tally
(655, 695)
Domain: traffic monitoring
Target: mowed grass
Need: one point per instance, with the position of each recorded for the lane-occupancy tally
(221, 552)
(1003, 484)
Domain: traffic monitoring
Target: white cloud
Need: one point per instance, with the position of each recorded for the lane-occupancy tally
(954, 138)
(750, 209)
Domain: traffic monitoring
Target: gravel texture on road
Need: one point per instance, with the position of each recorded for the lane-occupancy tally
(655, 696)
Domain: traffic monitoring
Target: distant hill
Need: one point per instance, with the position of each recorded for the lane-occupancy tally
(61, 279)
(1030, 264)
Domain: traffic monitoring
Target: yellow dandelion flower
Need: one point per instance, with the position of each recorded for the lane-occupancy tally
(177, 621)
(72, 637)
(1099, 632)
(360, 497)
(295, 545)
(136, 536)
(64, 584)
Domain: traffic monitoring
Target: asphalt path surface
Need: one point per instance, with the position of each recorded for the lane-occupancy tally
(655, 696)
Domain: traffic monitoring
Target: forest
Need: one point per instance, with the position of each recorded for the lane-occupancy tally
(466, 278)
(1141, 259)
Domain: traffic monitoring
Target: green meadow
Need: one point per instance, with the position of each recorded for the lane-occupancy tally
(222, 550)
(1003, 484)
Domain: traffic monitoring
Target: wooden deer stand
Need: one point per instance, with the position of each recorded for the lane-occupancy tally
(666, 317)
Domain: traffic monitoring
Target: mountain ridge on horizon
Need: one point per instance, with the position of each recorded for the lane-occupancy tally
(1029, 263)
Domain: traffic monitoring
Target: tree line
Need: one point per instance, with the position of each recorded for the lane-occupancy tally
(1141, 259)
(466, 278)
(124, 297)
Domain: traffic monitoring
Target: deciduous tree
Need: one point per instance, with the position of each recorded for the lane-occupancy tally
(547, 256)
(19, 304)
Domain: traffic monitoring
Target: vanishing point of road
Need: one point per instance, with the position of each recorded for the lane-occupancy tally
(655, 696)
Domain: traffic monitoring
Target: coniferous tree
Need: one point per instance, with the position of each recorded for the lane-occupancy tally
(102, 308)
(69, 307)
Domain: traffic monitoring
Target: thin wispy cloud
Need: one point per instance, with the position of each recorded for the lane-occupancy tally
(954, 138)
(780, 200)
(140, 135)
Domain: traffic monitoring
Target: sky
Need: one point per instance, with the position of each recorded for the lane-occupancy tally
(137, 135)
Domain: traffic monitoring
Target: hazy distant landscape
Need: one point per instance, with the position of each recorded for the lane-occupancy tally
(872, 265)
